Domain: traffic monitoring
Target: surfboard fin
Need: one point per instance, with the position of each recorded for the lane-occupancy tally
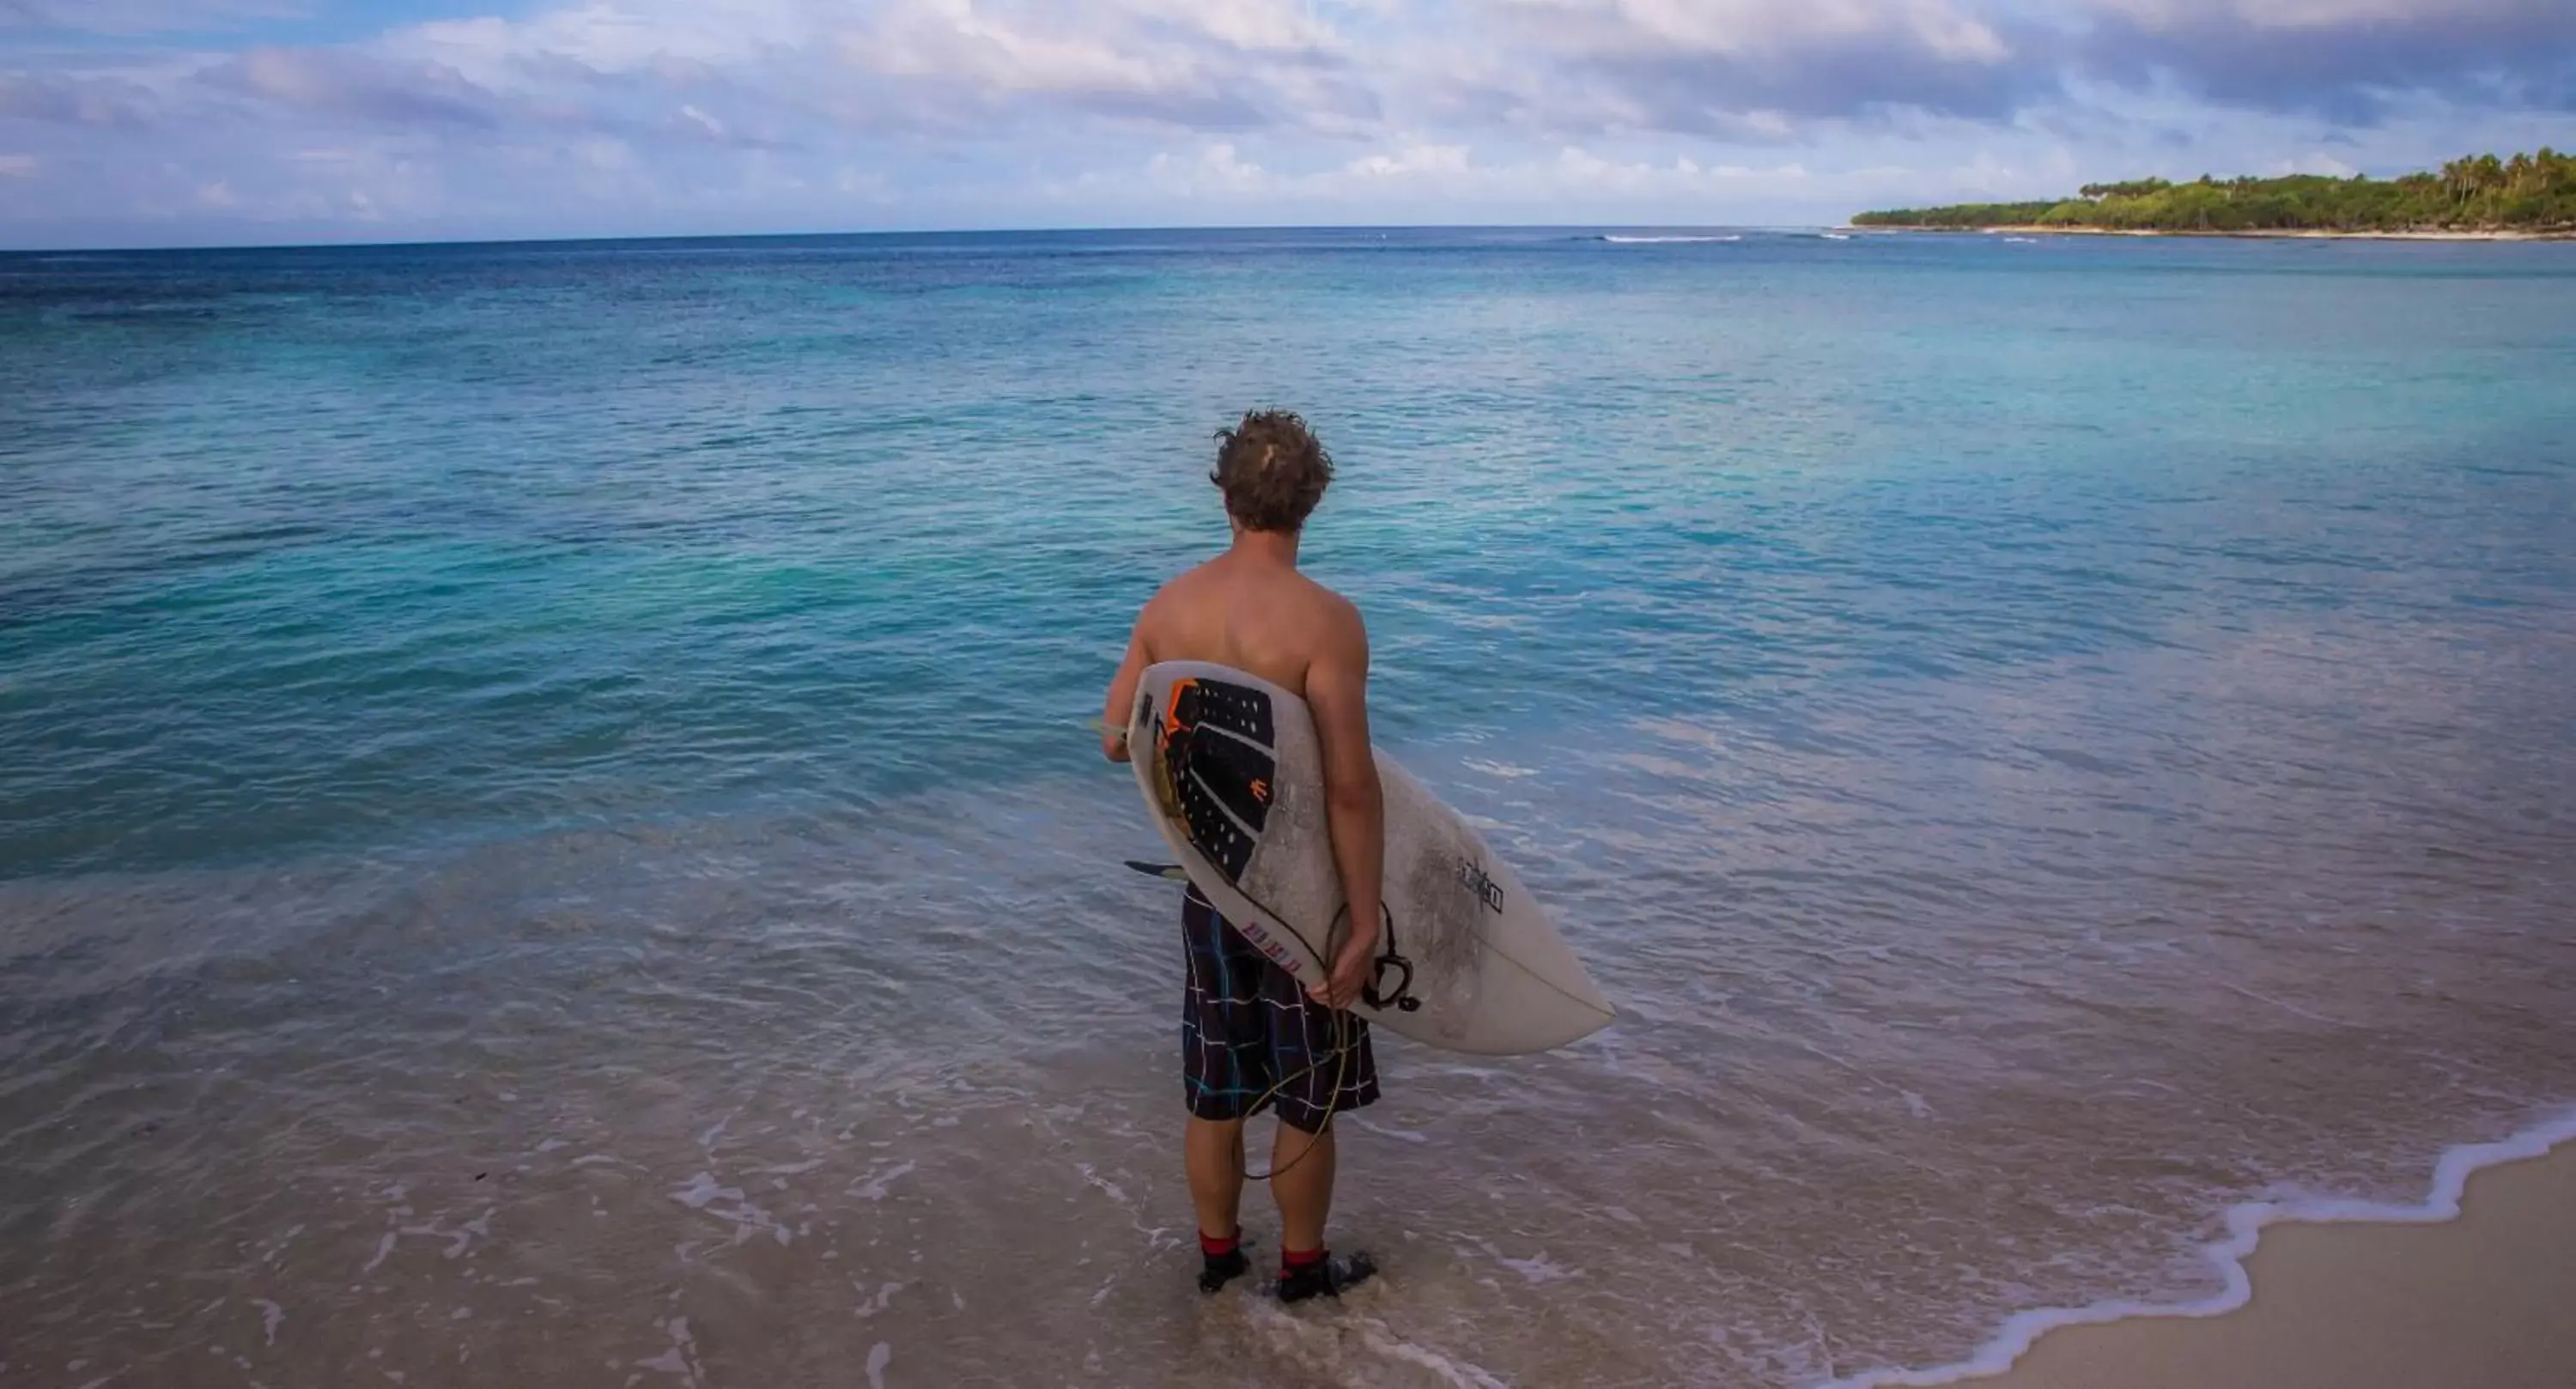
(1170, 871)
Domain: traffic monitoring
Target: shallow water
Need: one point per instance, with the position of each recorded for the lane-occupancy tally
(547, 828)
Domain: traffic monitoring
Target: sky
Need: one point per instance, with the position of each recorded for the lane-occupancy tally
(201, 122)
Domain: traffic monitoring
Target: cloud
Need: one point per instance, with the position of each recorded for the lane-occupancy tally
(673, 38)
(1195, 64)
(1713, 66)
(1214, 170)
(1413, 161)
(1431, 174)
(952, 53)
(2322, 164)
(1738, 69)
(343, 85)
(2348, 60)
(19, 165)
(599, 116)
(1729, 70)
(130, 18)
(939, 66)
(73, 100)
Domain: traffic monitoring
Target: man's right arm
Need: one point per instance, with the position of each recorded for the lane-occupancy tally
(1337, 692)
(1122, 686)
(1122, 696)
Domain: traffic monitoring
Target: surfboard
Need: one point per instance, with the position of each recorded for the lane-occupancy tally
(1232, 776)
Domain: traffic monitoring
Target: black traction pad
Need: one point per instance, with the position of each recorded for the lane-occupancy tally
(1216, 749)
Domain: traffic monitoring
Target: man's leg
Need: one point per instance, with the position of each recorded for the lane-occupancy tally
(1222, 1076)
(1301, 1166)
(1326, 1066)
(1214, 1153)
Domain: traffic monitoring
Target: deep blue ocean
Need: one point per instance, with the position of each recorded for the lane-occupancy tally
(2043, 739)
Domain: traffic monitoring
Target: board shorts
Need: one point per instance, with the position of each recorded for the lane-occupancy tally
(1247, 1026)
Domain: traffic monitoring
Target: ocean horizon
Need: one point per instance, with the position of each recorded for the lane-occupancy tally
(548, 825)
(1214, 231)
(1140, 236)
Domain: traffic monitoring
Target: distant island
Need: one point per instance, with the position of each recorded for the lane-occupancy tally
(2527, 195)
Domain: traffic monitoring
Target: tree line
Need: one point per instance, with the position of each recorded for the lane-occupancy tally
(2528, 192)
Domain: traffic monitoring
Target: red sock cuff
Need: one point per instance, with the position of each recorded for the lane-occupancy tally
(1306, 1258)
(1216, 1248)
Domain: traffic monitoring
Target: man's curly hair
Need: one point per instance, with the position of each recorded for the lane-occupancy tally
(1271, 470)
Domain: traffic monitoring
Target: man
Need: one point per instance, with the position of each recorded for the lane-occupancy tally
(1250, 1035)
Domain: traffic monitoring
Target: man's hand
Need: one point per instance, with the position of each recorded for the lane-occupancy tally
(1353, 966)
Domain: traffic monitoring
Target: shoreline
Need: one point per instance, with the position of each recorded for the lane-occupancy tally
(2251, 234)
(2264, 1312)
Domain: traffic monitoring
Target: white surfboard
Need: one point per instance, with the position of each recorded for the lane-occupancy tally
(1232, 776)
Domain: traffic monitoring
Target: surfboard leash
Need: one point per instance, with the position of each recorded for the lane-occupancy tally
(1341, 1054)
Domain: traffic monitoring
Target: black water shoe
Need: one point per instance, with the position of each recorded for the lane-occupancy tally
(1222, 1269)
(1324, 1277)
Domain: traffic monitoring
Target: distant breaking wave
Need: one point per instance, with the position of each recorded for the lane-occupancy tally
(1664, 240)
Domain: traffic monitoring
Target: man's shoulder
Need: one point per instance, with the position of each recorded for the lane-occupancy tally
(1180, 587)
(1332, 602)
(1177, 607)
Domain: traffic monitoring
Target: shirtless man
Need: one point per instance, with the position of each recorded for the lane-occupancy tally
(1246, 1026)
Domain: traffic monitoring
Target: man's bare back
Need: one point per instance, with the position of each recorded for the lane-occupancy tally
(1249, 608)
(1261, 617)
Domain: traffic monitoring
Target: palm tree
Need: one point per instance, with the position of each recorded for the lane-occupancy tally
(2459, 176)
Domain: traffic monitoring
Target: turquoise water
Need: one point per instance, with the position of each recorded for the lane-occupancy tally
(2092, 713)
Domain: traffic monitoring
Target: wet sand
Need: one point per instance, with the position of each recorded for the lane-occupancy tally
(2482, 1300)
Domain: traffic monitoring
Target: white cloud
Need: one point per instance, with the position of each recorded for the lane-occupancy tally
(2324, 164)
(2352, 61)
(2313, 14)
(618, 36)
(113, 100)
(19, 165)
(1660, 28)
(1410, 162)
(928, 64)
(357, 86)
(949, 41)
(1426, 176)
(1213, 170)
(607, 155)
(139, 17)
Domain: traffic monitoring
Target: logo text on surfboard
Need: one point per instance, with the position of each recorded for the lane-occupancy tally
(1475, 879)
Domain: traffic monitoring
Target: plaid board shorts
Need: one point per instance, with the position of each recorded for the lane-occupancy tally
(1247, 1025)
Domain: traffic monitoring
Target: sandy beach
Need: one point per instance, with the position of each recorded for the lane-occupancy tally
(2418, 1303)
(2259, 235)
